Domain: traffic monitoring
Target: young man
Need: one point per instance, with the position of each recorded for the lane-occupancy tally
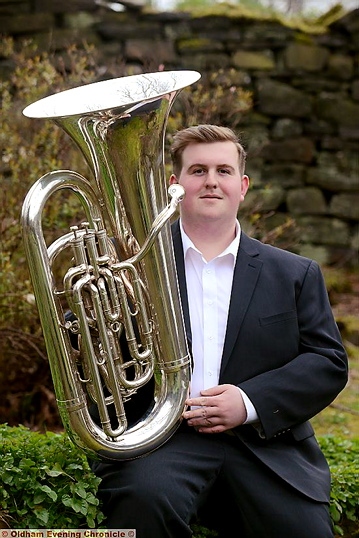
(267, 357)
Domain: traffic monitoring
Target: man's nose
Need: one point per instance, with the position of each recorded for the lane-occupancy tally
(211, 179)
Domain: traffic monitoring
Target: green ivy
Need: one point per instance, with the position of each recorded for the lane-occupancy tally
(342, 456)
(46, 482)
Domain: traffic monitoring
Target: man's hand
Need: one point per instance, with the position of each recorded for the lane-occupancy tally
(218, 409)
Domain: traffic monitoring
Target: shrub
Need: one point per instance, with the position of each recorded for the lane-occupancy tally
(46, 482)
(29, 148)
(343, 461)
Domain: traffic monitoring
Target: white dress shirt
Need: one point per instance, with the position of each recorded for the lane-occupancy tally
(209, 286)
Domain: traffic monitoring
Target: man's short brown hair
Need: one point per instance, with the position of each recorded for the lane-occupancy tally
(200, 134)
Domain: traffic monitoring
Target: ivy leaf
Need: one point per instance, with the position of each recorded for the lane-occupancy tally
(26, 463)
(50, 492)
(66, 500)
(91, 499)
(55, 471)
(42, 514)
(78, 505)
(38, 498)
(7, 478)
(80, 490)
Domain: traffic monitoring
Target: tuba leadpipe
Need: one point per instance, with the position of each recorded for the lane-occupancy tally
(121, 285)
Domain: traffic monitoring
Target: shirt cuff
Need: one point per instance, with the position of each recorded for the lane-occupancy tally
(251, 410)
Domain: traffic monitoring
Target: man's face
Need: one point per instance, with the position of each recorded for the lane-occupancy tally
(213, 182)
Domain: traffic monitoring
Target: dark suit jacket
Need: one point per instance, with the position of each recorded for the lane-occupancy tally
(284, 350)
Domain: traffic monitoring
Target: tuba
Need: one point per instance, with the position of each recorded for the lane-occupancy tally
(114, 325)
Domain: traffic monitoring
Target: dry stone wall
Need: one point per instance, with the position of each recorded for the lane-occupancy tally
(303, 132)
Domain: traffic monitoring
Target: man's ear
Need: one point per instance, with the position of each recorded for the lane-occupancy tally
(173, 179)
(244, 186)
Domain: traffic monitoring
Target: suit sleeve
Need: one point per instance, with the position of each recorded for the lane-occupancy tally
(296, 391)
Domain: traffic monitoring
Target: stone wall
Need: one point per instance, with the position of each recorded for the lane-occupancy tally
(303, 132)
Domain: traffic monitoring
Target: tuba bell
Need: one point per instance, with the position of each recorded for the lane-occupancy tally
(114, 325)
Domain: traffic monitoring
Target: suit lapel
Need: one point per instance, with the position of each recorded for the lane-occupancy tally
(178, 250)
(246, 273)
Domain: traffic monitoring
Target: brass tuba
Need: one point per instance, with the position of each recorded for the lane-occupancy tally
(115, 323)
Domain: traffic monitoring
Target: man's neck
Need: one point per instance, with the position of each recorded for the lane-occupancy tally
(210, 239)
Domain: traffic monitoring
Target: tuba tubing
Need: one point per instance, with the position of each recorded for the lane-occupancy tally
(122, 280)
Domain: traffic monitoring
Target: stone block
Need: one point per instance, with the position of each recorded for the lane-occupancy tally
(253, 60)
(80, 20)
(288, 175)
(287, 128)
(14, 8)
(306, 201)
(341, 66)
(254, 138)
(189, 45)
(335, 109)
(323, 231)
(265, 34)
(355, 90)
(335, 171)
(279, 99)
(150, 50)
(65, 6)
(27, 23)
(300, 150)
(263, 200)
(318, 253)
(203, 62)
(303, 57)
(345, 205)
(121, 26)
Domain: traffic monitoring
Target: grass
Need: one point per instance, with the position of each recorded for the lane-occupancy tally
(342, 416)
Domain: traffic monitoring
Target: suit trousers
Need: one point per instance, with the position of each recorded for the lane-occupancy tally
(161, 494)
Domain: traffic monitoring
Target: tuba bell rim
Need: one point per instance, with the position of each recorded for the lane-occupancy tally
(97, 97)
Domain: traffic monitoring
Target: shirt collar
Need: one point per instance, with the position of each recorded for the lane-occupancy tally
(231, 249)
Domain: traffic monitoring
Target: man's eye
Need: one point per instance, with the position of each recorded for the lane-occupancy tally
(198, 171)
(224, 171)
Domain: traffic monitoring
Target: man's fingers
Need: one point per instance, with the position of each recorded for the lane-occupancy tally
(201, 401)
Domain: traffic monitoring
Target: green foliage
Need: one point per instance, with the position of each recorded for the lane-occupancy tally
(202, 532)
(45, 482)
(29, 149)
(342, 456)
